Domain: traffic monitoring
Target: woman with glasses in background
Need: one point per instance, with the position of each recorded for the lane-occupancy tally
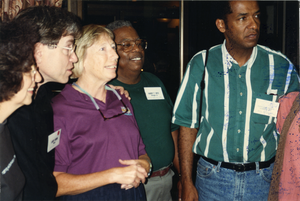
(100, 155)
(18, 77)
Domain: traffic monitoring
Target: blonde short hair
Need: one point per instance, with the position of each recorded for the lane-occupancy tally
(90, 34)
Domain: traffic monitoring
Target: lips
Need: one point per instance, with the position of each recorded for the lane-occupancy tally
(253, 35)
(111, 66)
(137, 57)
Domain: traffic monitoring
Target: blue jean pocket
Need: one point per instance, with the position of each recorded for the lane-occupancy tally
(204, 168)
(266, 173)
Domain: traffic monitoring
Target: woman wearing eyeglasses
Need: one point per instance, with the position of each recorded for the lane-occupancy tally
(18, 77)
(100, 155)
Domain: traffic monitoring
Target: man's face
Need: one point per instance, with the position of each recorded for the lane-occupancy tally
(132, 60)
(55, 64)
(242, 30)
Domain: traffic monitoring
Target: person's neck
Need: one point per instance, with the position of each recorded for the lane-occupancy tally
(129, 77)
(240, 55)
(6, 109)
(95, 88)
(38, 87)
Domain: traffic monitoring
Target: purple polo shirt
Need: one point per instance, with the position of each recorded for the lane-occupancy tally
(88, 143)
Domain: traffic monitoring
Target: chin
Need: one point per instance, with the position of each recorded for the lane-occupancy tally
(28, 101)
(63, 80)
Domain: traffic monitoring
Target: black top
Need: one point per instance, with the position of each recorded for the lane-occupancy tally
(30, 127)
(12, 179)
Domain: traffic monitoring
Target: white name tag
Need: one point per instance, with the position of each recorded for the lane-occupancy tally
(154, 93)
(267, 108)
(53, 140)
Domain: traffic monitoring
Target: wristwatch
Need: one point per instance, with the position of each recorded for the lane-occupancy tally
(150, 170)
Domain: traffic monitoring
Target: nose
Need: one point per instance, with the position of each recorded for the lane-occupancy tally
(73, 57)
(135, 47)
(254, 23)
(37, 77)
(114, 54)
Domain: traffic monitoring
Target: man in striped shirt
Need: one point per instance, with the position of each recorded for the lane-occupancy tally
(237, 137)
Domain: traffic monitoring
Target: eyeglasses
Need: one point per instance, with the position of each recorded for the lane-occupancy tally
(70, 49)
(117, 115)
(128, 45)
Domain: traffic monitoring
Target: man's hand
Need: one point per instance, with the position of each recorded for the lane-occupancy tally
(122, 91)
(189, 192)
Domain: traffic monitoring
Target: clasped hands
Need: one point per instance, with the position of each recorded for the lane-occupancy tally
(133, 174)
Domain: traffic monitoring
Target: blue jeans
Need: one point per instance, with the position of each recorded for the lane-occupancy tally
(217, 183)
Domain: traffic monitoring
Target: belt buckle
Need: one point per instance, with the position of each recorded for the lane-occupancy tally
(240, 167)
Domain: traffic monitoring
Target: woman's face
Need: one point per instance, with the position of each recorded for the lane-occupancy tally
(24, 96)
(101, 59)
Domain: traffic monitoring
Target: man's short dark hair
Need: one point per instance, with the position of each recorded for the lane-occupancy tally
(118, 24)
(223, 9)
(16, 56)
(52, 22)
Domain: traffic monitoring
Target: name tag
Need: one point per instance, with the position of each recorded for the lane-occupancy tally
(267, 108)
(53, 140)
(154, 93)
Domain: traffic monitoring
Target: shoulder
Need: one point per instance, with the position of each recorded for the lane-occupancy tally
(151, 79)
(266, 51)
(63, 96)
(289, 98)
(199, 57)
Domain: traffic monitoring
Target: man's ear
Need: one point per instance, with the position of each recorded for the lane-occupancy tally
(221, 25)
(38, 52)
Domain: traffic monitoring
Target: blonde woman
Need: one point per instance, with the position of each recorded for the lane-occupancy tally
(101, 155)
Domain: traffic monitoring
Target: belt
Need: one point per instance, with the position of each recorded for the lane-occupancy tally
(161, 172)
(241, 167)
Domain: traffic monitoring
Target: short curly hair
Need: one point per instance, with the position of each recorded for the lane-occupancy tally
(118, 24)
(16, 56)
(52, 22)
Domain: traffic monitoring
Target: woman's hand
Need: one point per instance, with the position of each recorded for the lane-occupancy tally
(131, 175)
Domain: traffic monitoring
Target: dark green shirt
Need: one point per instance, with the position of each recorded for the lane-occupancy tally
(153, 118)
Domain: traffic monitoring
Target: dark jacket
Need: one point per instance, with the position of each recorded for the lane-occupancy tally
(30, 127)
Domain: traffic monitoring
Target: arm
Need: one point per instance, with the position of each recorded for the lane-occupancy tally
(133, 174)
(176, 160)
(187, 138)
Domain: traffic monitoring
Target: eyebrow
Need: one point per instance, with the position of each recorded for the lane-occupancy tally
(70, 41)
(127, 39)
(244, 14)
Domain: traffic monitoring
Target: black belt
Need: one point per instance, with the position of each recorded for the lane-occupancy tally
(241, 167)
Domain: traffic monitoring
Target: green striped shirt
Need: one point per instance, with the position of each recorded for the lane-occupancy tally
(230, 130)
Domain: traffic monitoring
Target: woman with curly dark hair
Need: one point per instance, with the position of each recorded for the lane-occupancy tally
(18, 77)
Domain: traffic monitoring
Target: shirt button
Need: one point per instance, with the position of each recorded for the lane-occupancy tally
(240, 76)
(239, 131)
(237, 150)
(241, 93)
(240, 112)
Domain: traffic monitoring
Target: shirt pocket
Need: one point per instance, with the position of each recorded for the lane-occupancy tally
(260, 121)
